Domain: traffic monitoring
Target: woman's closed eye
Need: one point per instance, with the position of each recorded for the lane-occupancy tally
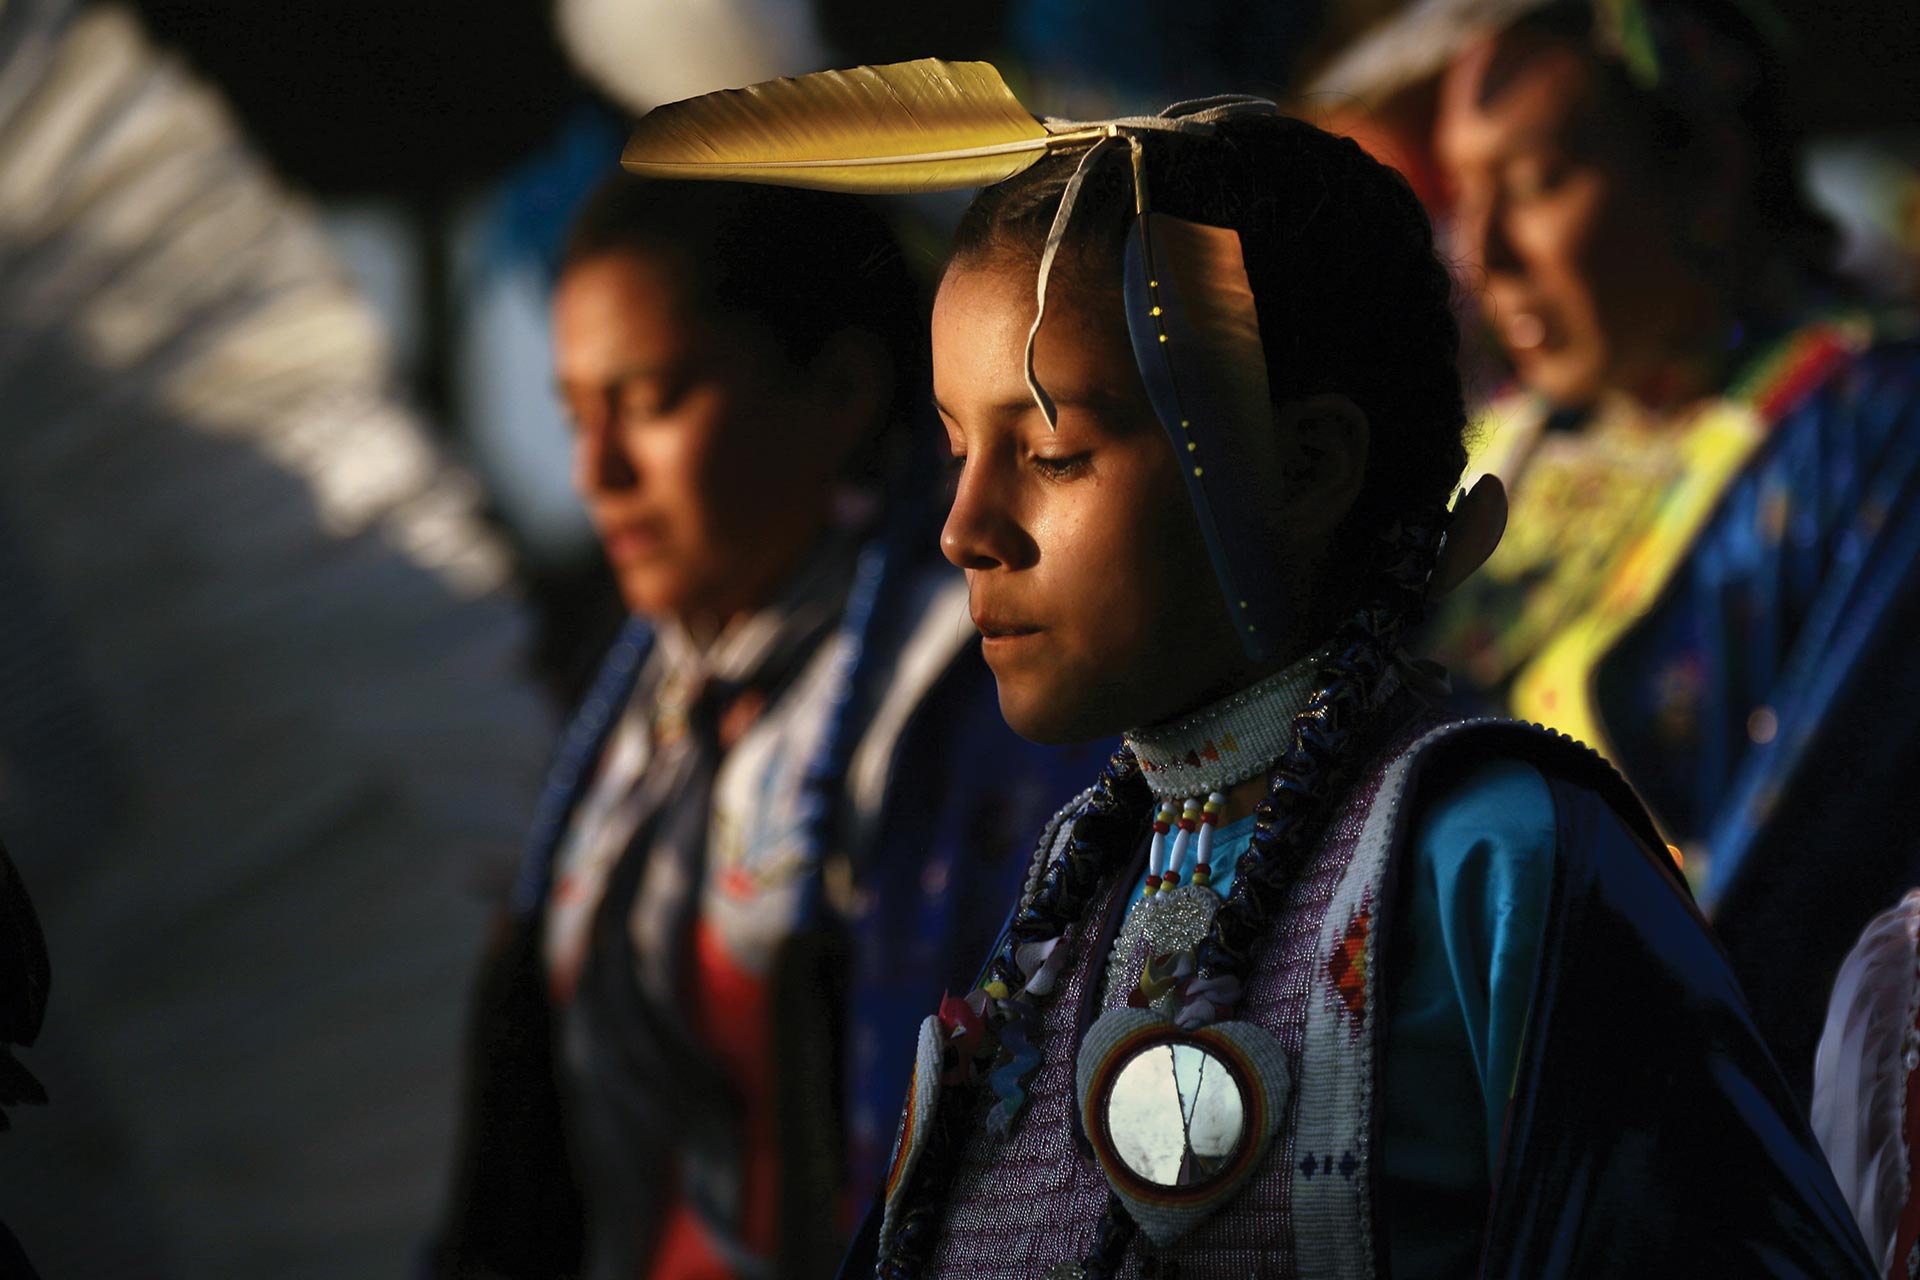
(1535, 177)
(648, 399)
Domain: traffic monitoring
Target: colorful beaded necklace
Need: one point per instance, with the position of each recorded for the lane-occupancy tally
(1189, 766)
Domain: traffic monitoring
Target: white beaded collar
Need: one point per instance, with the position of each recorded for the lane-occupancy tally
(1229, 741)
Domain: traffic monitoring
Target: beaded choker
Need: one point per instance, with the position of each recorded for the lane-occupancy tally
(1226, 743)
(1190, 763)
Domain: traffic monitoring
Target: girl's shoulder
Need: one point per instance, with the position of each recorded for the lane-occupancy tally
(1492, 780)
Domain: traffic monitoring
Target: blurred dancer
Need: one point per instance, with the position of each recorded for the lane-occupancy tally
(1714, 531)
(789, 813)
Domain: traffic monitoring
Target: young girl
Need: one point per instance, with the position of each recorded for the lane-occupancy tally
(1310, 982)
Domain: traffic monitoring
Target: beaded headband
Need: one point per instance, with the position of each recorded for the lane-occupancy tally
(931, 125)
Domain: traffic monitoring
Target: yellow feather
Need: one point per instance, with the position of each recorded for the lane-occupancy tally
(926, 125)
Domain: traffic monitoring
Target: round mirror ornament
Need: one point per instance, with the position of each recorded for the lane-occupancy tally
(1178, 1120)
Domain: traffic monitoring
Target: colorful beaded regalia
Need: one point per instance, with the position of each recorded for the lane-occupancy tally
(1189, 766)
(1248, 1021)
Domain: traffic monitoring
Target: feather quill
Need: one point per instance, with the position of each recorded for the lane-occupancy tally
(927, 125)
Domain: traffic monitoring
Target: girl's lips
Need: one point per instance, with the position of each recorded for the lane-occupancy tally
(1000, 636)
(1002, 629)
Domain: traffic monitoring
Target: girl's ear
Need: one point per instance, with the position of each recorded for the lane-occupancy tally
(1323, 442)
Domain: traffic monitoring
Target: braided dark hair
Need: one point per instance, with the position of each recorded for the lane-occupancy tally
(1352, 299)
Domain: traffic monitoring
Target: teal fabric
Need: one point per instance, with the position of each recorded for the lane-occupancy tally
(1474, 893)
(1473, 904)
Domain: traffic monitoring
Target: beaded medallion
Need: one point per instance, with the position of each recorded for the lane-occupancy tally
(916, 1121)
(1178, 1120)
(1161, 929)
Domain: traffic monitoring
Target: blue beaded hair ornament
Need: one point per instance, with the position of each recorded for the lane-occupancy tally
(932, 125)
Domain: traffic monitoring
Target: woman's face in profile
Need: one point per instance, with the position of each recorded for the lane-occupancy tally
(1097, 605)
(1572, 246)
(705, 457)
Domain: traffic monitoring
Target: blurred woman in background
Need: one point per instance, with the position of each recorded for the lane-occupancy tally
(1714, 540)
(745, 880)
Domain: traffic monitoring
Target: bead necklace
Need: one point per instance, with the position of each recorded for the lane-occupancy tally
(1228, 741)
(1218, 747)
(1163, 865)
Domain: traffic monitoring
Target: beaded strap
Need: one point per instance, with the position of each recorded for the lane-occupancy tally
(1102, 835)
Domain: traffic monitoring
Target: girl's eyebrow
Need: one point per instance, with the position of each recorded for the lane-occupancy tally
(1012, 407)
(1093, 400)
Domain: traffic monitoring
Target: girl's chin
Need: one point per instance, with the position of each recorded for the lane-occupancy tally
(1037, 717)
(1055, 712)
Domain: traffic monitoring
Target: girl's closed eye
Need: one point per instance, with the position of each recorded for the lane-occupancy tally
(1070, 467)
(951, 468)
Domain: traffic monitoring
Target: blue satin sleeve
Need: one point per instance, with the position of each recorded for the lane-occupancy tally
(1472, 905)
(1475, 887)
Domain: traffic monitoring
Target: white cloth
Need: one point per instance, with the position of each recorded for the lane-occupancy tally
(1870, 1047)
(756, 859)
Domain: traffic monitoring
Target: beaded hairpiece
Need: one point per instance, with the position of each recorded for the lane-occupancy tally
(931, 125)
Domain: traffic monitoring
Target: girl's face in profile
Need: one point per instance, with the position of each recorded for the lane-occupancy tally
(1096, 602)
